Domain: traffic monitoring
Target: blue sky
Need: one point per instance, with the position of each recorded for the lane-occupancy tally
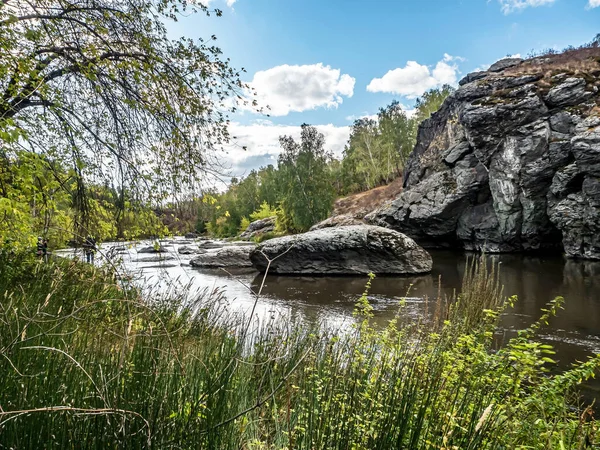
(326, 62)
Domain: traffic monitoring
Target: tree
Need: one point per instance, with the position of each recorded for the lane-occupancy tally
(98, 85)
(306, 191)
(431, 101)
(377, 149)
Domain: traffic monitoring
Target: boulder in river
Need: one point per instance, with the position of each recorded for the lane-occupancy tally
(185, 250)
(152, 249)
(219, 243)
(347, 250)
(259, 227)
(231, 256)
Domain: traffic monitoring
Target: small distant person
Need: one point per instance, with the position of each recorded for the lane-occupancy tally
(42, 248)
(89, 247)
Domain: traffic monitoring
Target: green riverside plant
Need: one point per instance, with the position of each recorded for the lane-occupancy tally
(86, 362)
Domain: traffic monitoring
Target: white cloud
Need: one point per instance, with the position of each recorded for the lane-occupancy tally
(509, 6)
(209, 2)
(593, 4)
(301, 88)
(414, 79)
(261, 140)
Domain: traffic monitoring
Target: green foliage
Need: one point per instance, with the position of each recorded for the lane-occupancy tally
(32, 201)
(431, 101)
(298, 192)
(101, 86)
(244, 223)
(85, 360)
(264, 212)
(378, 148)
(37, 199)
(266, 236)
(306, 191)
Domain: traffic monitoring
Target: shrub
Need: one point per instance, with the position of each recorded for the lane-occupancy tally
(244, 223)
(264, 212)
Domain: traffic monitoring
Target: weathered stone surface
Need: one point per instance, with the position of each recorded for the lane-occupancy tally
(473, 76)
(231, 256)
(337, 221)
(259, 227)
(508, 163)
(505, 63)
(348, 250)
(569, 93)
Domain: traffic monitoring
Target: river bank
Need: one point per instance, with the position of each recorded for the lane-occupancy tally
(89, 361)
(535, 280)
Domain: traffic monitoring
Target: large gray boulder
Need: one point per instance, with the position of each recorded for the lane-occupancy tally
(347, 250)
(231, 256)
(510, 162)
(259, 227)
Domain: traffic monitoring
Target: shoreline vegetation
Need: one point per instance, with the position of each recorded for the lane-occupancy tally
(88, 363)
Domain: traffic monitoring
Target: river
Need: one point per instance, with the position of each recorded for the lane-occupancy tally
(575, 332)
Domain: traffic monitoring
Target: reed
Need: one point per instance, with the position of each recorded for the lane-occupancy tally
(87, 363)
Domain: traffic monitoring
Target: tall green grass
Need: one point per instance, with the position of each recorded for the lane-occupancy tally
(87, 363)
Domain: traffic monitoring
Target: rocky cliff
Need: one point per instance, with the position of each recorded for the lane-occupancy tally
(511, 161)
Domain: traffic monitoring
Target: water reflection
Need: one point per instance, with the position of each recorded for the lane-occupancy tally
(534, 279)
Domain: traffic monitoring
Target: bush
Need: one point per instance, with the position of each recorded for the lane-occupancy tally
(244, 224)
(264, 212)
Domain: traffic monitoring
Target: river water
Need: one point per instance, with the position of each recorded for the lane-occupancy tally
(575, 332)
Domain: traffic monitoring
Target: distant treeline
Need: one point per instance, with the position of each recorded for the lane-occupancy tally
(301, 190)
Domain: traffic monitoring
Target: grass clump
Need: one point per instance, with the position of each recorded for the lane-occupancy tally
(87, 363)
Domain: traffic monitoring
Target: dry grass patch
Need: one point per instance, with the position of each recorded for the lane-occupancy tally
(359, 205)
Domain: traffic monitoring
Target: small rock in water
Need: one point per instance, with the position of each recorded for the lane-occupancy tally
(231, 256)
(189, 250)
(152, 249)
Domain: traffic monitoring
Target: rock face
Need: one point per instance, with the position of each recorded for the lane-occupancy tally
(259, 227)
(232, 256)
(510, 162)
(349, 250)
(337, 221)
